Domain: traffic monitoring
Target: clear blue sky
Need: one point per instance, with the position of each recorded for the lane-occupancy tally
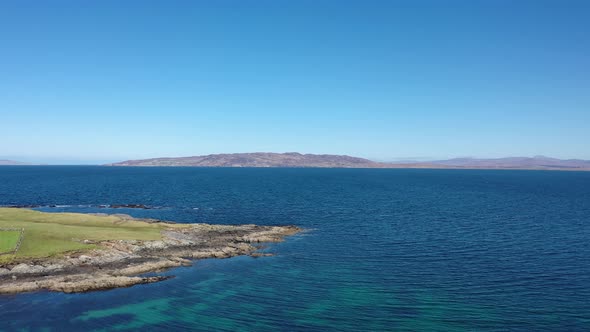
(94, 81)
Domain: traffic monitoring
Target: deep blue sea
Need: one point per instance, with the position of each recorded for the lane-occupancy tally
(384, 250)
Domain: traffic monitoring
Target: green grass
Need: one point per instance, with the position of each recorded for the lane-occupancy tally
(49, 234)
(8, 240)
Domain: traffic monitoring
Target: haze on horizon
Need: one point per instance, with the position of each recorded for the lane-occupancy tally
(385, 80)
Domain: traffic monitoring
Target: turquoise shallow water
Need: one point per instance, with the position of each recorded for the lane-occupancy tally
(438, 250)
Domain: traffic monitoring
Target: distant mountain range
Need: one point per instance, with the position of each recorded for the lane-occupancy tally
(537, 162)
(294, 159)
(4, 162)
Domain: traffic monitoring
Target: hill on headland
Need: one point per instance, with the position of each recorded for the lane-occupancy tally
(294, 159)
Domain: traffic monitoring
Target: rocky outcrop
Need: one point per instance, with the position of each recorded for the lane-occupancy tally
(121, 263)
(77, 283)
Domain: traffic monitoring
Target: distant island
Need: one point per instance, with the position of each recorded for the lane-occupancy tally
(257, 159)
(4, 162)
(294, 159)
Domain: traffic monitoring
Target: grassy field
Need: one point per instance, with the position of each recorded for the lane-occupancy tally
(48, 234)
(8, 240)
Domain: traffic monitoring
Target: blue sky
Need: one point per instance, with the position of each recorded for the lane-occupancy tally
(98, 81)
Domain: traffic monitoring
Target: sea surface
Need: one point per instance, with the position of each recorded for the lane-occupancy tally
(383, 250)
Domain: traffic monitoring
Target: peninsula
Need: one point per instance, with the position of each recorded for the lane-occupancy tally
(294, 159)
(73, 252)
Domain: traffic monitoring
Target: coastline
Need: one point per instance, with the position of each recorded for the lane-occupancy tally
(120, 263)
(389, 166)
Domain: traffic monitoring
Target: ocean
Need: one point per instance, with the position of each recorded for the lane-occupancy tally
(383, 250)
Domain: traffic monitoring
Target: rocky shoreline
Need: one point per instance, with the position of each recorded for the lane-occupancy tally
(121, 263)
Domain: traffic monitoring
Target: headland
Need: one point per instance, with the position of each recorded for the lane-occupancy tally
(74, 252)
